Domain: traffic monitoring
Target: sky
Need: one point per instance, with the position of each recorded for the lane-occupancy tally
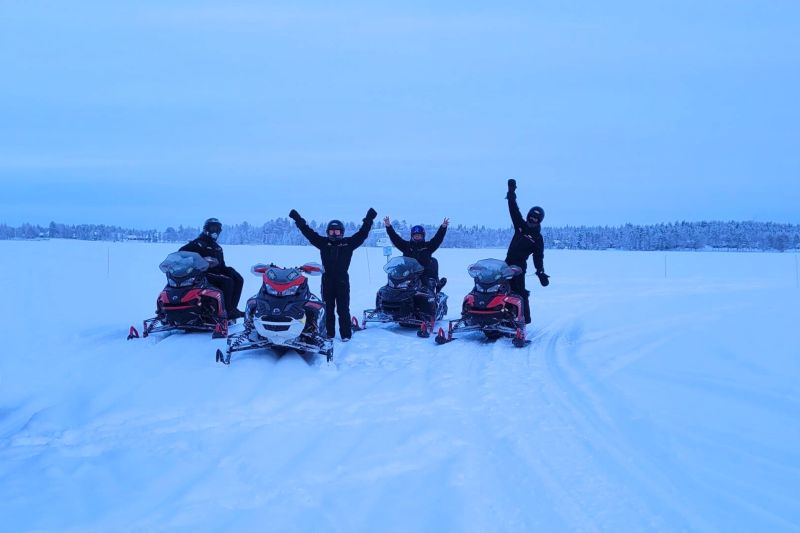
(157, 113)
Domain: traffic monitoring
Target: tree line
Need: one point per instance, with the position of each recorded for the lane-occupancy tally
(732, 235)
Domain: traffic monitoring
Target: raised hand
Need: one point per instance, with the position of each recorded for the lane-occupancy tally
(386, 221)
(446, 222)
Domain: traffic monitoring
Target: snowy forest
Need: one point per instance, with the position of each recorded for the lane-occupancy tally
(741, 236)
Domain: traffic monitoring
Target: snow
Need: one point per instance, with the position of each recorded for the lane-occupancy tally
(660, 392)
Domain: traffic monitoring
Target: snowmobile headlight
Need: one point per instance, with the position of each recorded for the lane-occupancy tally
(288, 292)
(271, 290)
(493, 288)
(291, 290)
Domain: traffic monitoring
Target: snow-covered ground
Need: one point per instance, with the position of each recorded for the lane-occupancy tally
(649, 399)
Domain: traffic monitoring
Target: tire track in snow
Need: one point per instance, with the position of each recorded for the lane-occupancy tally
(521, 419)
(489, 490)
(512, 485)
(519, 398)
(596, 413)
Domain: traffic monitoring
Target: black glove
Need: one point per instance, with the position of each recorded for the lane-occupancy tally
(371, 214)
(544, 279)
(294, 215)
(512, 185)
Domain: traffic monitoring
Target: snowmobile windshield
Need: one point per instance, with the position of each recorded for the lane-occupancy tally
(491, 271)
(401, 268)
(183, 264)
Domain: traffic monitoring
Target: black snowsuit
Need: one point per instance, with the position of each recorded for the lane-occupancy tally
(223, 277)
(422, 251)
(527, 241)
(336, 255)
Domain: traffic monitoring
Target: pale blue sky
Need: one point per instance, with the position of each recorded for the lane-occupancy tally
(154, 113)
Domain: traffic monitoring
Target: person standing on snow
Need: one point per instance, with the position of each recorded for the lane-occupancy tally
(421, 250)
(223, 277)
(527, 240)
(336, 251)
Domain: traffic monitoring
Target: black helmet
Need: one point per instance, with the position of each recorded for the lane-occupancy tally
(212, 227)
(417, 230)
(537, 213)
(334, 225)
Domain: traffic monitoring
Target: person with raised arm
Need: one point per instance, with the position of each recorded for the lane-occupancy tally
(527, 241)
(336, 252)
(421, 250)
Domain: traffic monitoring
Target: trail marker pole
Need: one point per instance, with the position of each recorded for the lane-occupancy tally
(369, 269)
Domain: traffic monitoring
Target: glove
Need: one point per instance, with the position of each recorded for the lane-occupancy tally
(512, 186)
(294, 215)
(544, 279)
(371, 214)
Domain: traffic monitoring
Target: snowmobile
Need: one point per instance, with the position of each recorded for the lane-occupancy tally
(189, 302)
(284, 314)
(490, 307)
(406, 299)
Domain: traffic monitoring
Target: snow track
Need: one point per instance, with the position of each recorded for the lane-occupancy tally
(639, 405)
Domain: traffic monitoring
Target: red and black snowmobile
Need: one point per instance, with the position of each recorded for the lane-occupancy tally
(490, 307)
(283, 315)
(406, 299)
(188, 302)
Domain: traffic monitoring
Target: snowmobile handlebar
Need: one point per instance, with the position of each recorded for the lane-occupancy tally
(312, 269)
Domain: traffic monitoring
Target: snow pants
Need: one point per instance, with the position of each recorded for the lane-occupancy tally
(430, 276)
(336, 295)
(230, 283)
(517, 284)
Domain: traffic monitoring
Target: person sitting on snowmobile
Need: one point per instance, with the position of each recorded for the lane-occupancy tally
(336, 251)
(527, 240)
(222, 276)
(421, 250)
